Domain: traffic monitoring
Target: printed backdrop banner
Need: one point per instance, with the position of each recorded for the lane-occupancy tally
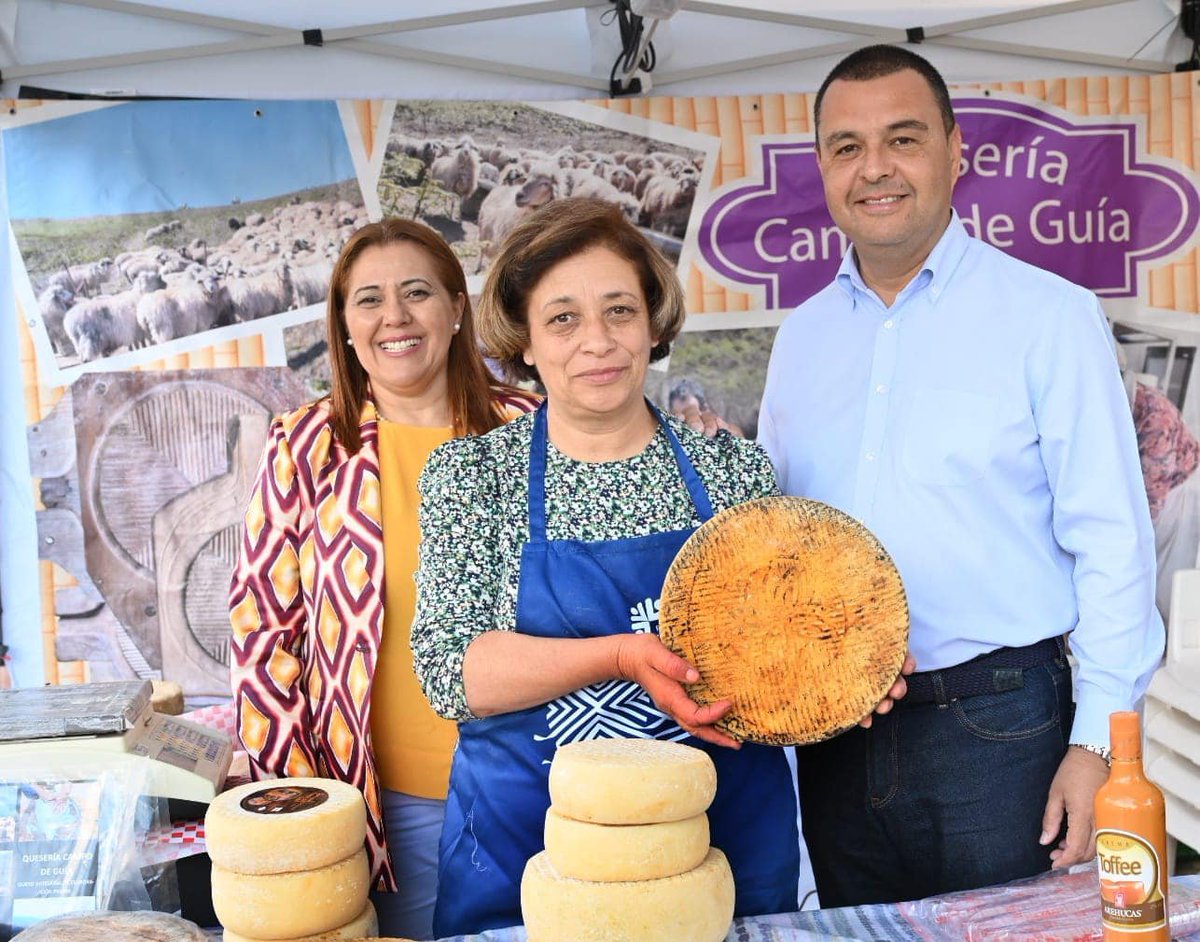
(171, 262)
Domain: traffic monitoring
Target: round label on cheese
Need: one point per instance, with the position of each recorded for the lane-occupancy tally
(284, 799)
(631, 781)
(285, 826)
(291, 905)
(696, 906)
(610, 853)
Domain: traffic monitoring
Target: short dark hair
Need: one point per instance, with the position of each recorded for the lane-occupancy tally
(559, 230)
(872, 62)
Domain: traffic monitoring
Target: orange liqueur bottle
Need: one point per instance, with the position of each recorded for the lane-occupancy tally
(1131, 842)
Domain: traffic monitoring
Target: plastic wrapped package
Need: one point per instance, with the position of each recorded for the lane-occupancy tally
(70, 840)
(1058, 906)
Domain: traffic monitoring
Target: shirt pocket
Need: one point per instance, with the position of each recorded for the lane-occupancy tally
(950, 436)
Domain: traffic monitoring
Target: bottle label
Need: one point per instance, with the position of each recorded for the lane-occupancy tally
(1130, 895)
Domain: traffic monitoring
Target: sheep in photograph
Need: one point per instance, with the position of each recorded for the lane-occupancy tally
(54, 303)
(667, 203)
(155, 232)
(310, 283)
(263, 295)
(255, 219)
(196, 250)
(185, 308)
(458, 172)
(84, 278)
(100, 326)
(499, 212)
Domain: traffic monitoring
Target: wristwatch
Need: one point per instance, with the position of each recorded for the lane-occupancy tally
(1102, 751)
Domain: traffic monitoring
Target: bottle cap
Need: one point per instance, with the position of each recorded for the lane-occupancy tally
(1124, 730)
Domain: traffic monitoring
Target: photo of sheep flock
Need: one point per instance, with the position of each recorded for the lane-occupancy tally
(114, 271)
(473, 169)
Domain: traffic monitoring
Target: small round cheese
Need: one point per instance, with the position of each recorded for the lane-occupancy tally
(285, 825)
(366, 924)
(609, 853)
(110, 927)
(291, 905)
(696, 906)
(631, 781)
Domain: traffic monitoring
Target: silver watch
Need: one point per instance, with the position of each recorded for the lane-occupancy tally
(1102, 751)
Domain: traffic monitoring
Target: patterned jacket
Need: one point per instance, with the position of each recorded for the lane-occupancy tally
(306, 607)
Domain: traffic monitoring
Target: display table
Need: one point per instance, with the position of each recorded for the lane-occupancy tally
(998, 914)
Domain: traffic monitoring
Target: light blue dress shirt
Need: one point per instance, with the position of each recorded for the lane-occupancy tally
(980, 429)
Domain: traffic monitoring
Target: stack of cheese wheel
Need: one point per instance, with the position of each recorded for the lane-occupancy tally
(289, 863)
(627, 857)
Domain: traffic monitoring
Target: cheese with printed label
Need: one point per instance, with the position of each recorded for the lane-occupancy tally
(631, 781)
(291, 905)
(696, 906)
(285, 825)
(610, 853)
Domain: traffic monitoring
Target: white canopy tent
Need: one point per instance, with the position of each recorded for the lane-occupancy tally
(492, 49)
(548, 49)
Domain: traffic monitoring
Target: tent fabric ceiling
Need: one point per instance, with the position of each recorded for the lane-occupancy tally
(547, 49)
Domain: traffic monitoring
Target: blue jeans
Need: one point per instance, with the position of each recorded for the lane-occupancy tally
(413, 826)
(936, 797)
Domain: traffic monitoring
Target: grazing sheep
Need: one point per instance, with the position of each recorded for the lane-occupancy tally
(469, 208)
(458, 172)
(263, 295)
(310, 283)
(103, 325)
(196, 250)
(187, 307)
(623, 179)
(500, 212)
(84, 278)
(235, 224)
(171, 225)
(54, 303)
(667, 203)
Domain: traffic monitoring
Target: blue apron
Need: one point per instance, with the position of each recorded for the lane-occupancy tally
(496, 808)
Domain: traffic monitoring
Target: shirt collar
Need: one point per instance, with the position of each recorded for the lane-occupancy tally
(934, 274)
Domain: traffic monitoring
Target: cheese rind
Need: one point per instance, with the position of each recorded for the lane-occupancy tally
(364, 925)
(296, 838)
(291, 905)
(696, 906)
(631, 781)
(610, 853)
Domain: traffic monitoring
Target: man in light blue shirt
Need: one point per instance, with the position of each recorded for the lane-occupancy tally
(967, 408)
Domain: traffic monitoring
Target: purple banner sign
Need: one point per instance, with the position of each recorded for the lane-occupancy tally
(1074, 195)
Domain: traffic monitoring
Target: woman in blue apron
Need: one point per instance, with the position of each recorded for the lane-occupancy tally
(544, 550)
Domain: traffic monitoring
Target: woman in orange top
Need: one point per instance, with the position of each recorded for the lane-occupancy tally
(322, 598)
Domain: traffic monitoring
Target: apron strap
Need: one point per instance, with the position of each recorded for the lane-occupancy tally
(537, 473)
(537, 477)
(691, 479)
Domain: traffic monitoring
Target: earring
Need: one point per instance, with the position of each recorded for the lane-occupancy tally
(349, 341)
(456, 326)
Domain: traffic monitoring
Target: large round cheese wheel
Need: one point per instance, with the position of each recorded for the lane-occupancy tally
(365, 924)
(291, 905)
(631, 781)
(793, 611)
(696, 906)
(285, 825)
(115, 927)
(609, 853)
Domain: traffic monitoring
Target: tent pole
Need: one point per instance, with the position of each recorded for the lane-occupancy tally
(1060, 55)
